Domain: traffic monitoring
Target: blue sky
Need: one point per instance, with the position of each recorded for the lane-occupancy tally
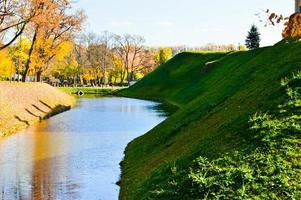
(184, 22)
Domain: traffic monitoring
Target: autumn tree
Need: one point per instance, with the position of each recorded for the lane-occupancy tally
(100, 55)
(130, 49)
(106, 54)
(292, 24)
(147, 63)
(66, 67)
(164, 55)
(100, 59)
(93, 61)
(52, 25)
(19, 54)
(115, 73)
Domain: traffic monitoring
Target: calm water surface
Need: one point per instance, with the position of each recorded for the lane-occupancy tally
(74, 155)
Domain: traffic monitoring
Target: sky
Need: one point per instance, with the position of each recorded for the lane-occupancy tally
(184, 22)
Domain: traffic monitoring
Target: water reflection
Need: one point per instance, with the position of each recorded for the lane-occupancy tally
(74, 155)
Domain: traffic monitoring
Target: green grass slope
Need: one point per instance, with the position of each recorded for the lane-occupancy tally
(171, 81)
(214, 109)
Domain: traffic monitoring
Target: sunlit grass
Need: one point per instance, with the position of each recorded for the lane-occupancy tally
(90, 90)
(22, 104)
(215, 107)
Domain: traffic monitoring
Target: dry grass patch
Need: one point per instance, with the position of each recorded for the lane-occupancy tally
(22, 104)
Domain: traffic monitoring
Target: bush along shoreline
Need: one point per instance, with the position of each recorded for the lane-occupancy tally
(270, 171)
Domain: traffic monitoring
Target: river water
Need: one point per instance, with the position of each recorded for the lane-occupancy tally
(74, 155)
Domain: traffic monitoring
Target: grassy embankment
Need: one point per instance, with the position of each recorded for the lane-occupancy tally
(215, 104)
(22, 104)
(90, 90)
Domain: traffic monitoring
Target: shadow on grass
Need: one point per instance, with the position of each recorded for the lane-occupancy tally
(53, 111)
(39, 109)
(21, 120)
(45, 104)
(57, 110)
(31, 113)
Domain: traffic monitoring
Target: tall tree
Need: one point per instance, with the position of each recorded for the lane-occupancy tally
(150, 62)
(53, 25)
(253, 38)
(100, 55)
(130, 49)
(93, 56)
(106, 54)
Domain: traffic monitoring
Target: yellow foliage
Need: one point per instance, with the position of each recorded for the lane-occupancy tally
(18, 53)
(88, 75)
(45, 51)
(64, 49)
(64, 57)
(6, 65)
(20, 49)
(117, 62)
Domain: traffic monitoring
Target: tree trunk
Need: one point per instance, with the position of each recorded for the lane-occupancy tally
(131, 76)
(74, 81)
(17, 75)
(39, 74)
(104, 78)
(29, 56)
(121, 79)
(81, 79)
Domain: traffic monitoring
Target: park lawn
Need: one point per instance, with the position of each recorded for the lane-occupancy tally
(90, 90)
(215, 106)
(22, 104)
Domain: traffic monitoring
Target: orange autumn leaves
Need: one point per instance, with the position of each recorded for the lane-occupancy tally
(293, 28)
(292, 24)
(50, 26)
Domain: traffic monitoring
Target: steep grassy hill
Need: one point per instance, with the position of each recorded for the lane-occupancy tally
(215, 103)
(177, 82)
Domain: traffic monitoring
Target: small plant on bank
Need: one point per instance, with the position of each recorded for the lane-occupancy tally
(272, 171)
